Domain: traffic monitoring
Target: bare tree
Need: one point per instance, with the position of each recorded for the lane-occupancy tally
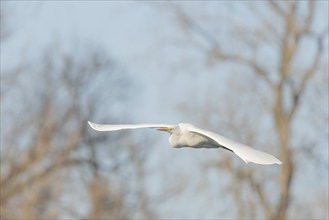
(285, 83)
(47, 150)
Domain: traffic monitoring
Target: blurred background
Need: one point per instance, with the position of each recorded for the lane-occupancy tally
(256, 72)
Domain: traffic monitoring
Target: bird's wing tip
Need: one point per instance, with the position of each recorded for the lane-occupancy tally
(92, 125)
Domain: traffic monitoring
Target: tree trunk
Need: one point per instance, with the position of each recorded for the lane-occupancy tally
(282, 126)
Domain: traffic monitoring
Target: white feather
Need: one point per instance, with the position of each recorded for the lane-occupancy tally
(187, 135)
(99, 127)
(246, 153)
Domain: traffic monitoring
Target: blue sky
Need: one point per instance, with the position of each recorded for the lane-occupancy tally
(146, 41)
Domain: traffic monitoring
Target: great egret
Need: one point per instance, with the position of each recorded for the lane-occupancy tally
(187, 135)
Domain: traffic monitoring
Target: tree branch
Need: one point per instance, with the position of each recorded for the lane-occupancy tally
(20, 186)
(298, 92)
(276, 7)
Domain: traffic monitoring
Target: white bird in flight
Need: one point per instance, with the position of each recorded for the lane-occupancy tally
(187, 135)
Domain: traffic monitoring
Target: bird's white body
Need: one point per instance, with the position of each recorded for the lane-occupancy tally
(187, 135)
(182, 137)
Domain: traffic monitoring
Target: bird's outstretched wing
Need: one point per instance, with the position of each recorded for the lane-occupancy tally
(99, 127)
(246, 153)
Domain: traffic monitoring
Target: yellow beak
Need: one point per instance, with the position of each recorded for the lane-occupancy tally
(165, 129)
